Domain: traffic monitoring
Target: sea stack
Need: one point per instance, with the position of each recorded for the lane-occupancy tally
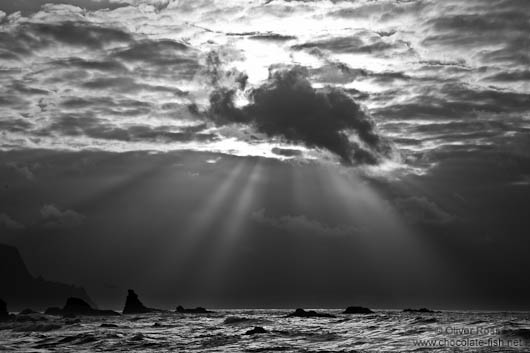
(133, 305)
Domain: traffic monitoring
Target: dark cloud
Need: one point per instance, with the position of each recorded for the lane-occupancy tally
(379, 10)
(22, 170)
(288, 106)
(27, 7)
(273, 37)
(496, 25)
(354, 44)
(77, 33)
(128, 84)
(90, 126)
(510, 76)
(287, 152)
(457, 100)
(108, 105)
(301, 225)
(102, 65)
(9, 223)
(13, 100)
(421, 210)
(52, 217)
(28, 37)
(15, 124)
(161, 52)
(25, 89)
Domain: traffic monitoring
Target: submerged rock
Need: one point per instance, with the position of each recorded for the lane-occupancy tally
(256, 330)
(310, 313)
(198, 310)
(357, 310)
(133, 305)
(422, 310)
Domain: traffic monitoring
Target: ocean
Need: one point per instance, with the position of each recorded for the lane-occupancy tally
(230, 331)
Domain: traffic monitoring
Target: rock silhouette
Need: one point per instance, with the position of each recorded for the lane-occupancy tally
(256, 330)
(422, 311)
(310, 313)
(357, 310)
(133, 305)
(55, 311)
(27, 312)
(76, 306)
(22, 290)
(4, 315)
(198, 310)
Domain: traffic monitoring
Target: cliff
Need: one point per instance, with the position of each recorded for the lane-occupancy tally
(21, 290)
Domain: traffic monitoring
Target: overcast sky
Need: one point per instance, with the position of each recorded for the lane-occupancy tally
(270, 153)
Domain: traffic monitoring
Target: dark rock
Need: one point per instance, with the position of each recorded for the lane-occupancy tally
(27, 312)
(310, 313)
(357, 310)
(108, 325)
(198, 310)
(76, 306)
(53, 311)
(4, 315)
(422, 310)
(133, 305)
(256, 330)
(21, 289)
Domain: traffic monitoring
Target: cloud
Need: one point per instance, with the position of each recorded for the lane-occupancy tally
(301, 225)
(287, 152)
(128, 85)
(510, 76)
(9, 223)
(28, 37)
(90, 126)
(22, 170)
(97, 65)
(421, 210)
(355, 44)
(52, 217)
(31, 6)
(287, 106)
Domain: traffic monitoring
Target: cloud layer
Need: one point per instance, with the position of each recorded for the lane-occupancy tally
(421, 75)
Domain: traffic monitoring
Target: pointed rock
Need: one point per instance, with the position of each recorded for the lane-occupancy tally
(133, 305)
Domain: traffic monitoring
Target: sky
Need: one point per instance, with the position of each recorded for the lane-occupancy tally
(275, 153)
